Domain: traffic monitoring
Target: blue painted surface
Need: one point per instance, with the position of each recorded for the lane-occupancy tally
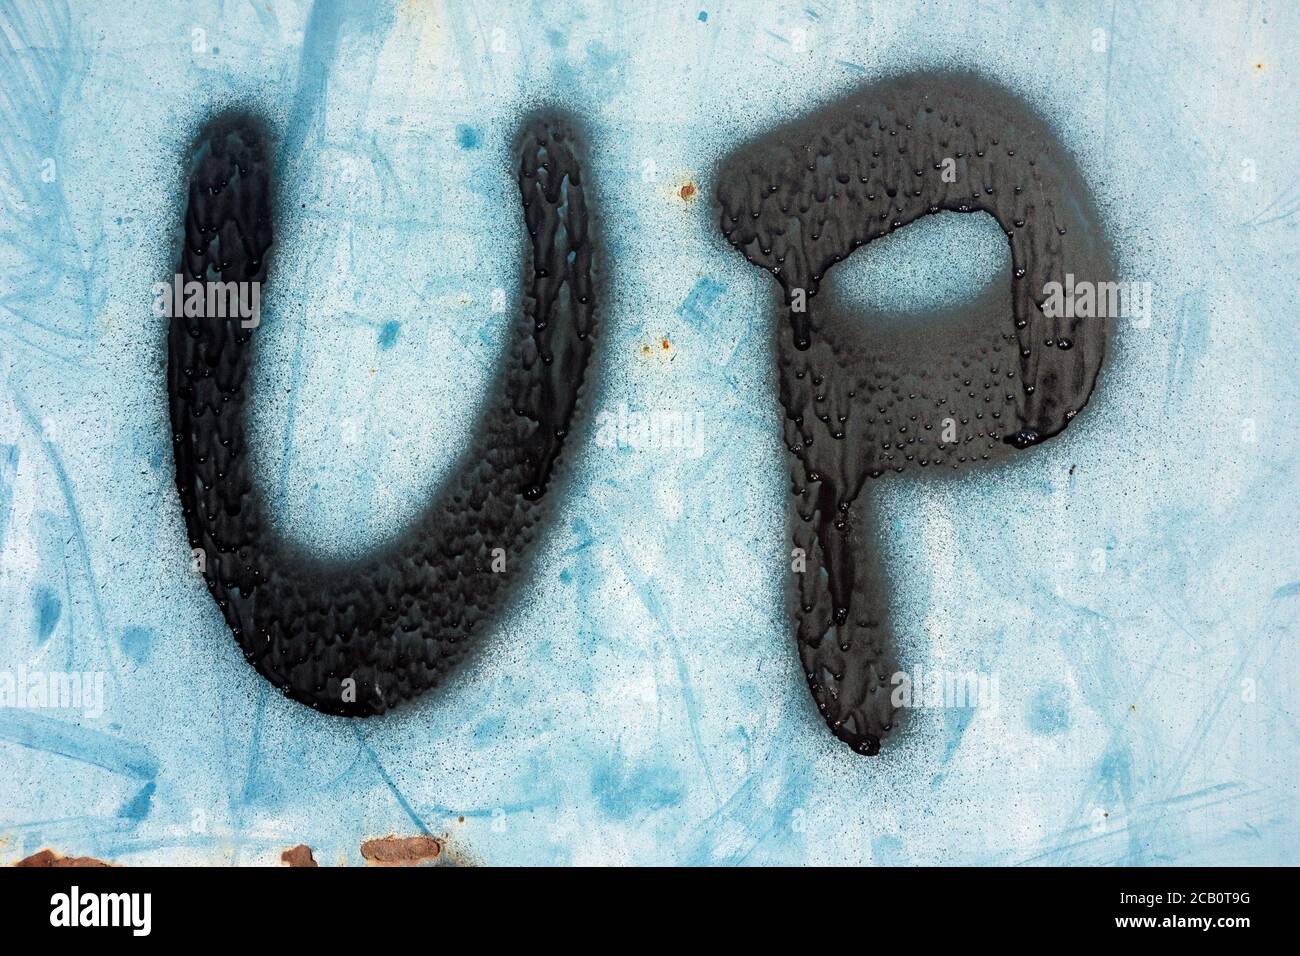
(48, 607)
(388, 335)
(467, 136)
(1134, 583)
(136, 643)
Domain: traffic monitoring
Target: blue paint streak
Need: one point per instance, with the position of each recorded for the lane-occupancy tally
(48, 608)
(319, 50)
(698, 308)
(650, 600)
(250, 790)
(624, 792)
(137, 808)
(8, 469)
(70, 499)
(46, 734)
(389, 782)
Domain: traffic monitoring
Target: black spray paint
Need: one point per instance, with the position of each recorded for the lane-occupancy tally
(357, 638)
(861, 401)
(866, 402)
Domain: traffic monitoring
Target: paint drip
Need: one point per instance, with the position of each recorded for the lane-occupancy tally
(954, 390)
(357, 638)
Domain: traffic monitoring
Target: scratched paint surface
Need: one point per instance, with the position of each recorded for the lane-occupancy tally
(1133, 583)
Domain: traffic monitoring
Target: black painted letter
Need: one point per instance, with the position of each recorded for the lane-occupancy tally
(865, 402)
(359, 638)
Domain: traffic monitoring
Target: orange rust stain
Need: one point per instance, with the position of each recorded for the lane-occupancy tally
(48, 858)
(299, 855)
(660, 349)
(400, 851)
(687, 192)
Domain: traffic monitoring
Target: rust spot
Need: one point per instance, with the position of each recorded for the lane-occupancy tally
(1259, 67)
(299, 855)
(687, 192)
(659, 350)
(48, 858)
(400, 851)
